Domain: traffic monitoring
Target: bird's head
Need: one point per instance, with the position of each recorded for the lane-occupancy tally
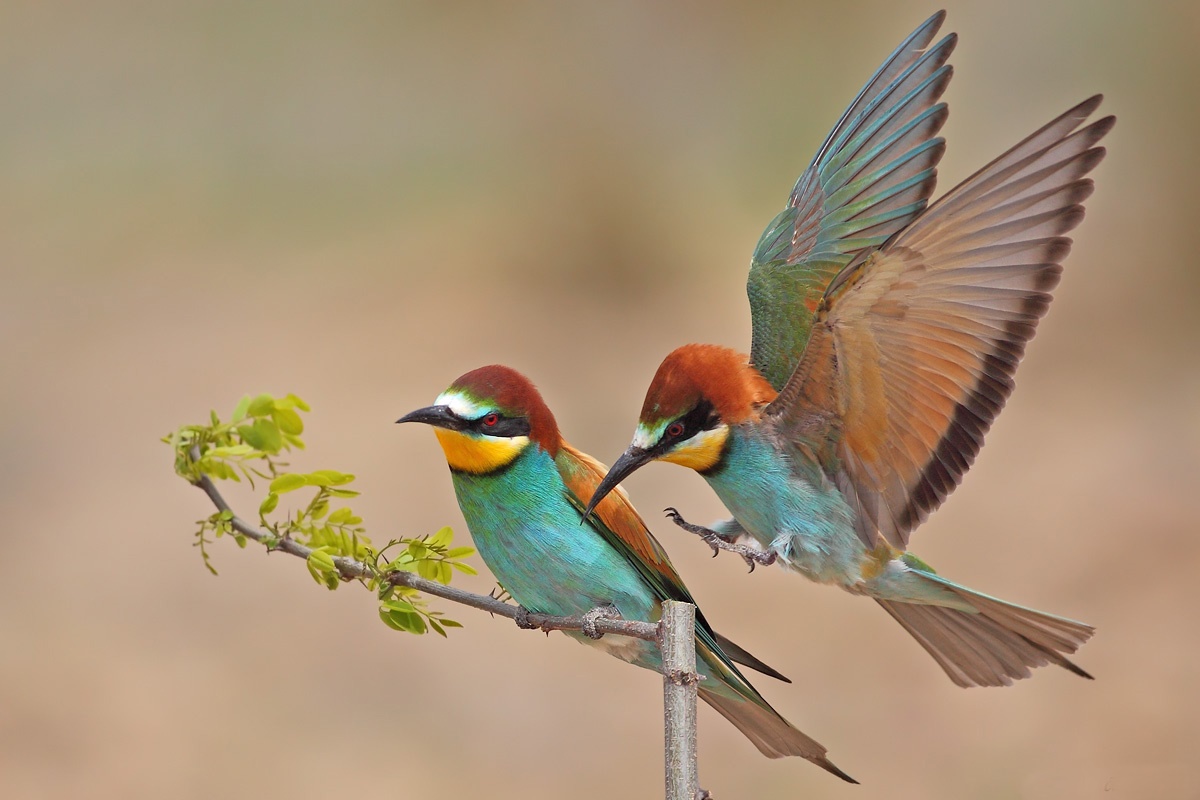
(487, 418)
(699, 391)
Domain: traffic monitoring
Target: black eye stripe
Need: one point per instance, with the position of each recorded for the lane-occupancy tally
(701, 418)
(505, 427)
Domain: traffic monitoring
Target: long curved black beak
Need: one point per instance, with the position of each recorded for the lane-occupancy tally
(629, 461)
(438, 416)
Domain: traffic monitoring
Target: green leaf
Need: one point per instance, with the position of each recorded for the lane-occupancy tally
(342, 493)
(465, 569)
(249, 434)
(386, 616)
(433, 623)
(400, 605)
(269, 504)
(449, 623)
(288, 482)
(322, 561)
(239, 413)
(442, 538)
(230, 451)
(329, 477)
(269, 435)
(288, 421)
(408, 622)
(261, 406)
(416, 623)
(291, 401)
(459, 552)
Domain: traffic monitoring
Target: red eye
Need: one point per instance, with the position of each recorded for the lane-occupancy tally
(491, 419)
(675, 429)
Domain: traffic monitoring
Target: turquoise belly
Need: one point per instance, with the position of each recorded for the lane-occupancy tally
(809, 527)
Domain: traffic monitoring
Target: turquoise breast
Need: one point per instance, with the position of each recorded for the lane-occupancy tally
(809, 527)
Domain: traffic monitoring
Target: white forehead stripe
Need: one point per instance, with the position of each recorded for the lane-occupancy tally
(461, 405)
(646, 439)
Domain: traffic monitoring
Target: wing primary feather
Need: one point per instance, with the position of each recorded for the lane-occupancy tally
(914, 346)
(904, 55)
(872, 175)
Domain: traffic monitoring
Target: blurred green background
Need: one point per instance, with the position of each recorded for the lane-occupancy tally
(359, 202)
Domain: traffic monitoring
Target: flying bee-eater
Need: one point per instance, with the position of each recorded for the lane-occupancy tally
(885, 337)
(522, 490)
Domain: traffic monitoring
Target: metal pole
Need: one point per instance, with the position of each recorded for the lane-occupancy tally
(677, 641)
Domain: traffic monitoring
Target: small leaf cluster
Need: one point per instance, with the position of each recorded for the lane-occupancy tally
(249, 446)
(431, 557)
(331, 534)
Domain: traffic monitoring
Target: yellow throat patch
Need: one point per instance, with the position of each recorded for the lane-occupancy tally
(701, 452)
(479, 454)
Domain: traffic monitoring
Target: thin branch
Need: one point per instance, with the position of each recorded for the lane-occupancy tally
(680, 688)
(351, 569)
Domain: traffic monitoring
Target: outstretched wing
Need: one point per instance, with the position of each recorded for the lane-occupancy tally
(915, 345)
(871, 177)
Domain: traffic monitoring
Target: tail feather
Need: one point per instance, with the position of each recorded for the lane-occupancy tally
(739, 655)
(773, 735)
(993, 647)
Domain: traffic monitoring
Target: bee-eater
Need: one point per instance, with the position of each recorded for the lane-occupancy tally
(885, 338)
(522, 491)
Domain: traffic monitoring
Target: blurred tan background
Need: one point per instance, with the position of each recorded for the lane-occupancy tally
(357, 203)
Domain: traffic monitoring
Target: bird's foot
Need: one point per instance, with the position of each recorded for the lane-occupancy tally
(522, 619)
(702, 794)
(599, 612)
(751, 555)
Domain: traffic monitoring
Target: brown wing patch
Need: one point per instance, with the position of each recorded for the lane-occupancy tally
(915, 348)
(582, 474)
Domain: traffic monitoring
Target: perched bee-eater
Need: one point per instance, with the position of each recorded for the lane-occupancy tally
(885, 338)
(522, 490)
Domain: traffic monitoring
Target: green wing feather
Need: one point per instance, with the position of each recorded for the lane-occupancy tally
(871, 177)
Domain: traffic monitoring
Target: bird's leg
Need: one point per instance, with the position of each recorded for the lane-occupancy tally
(717, 542)
(702, 794)
(599, 612)
(522, 619)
